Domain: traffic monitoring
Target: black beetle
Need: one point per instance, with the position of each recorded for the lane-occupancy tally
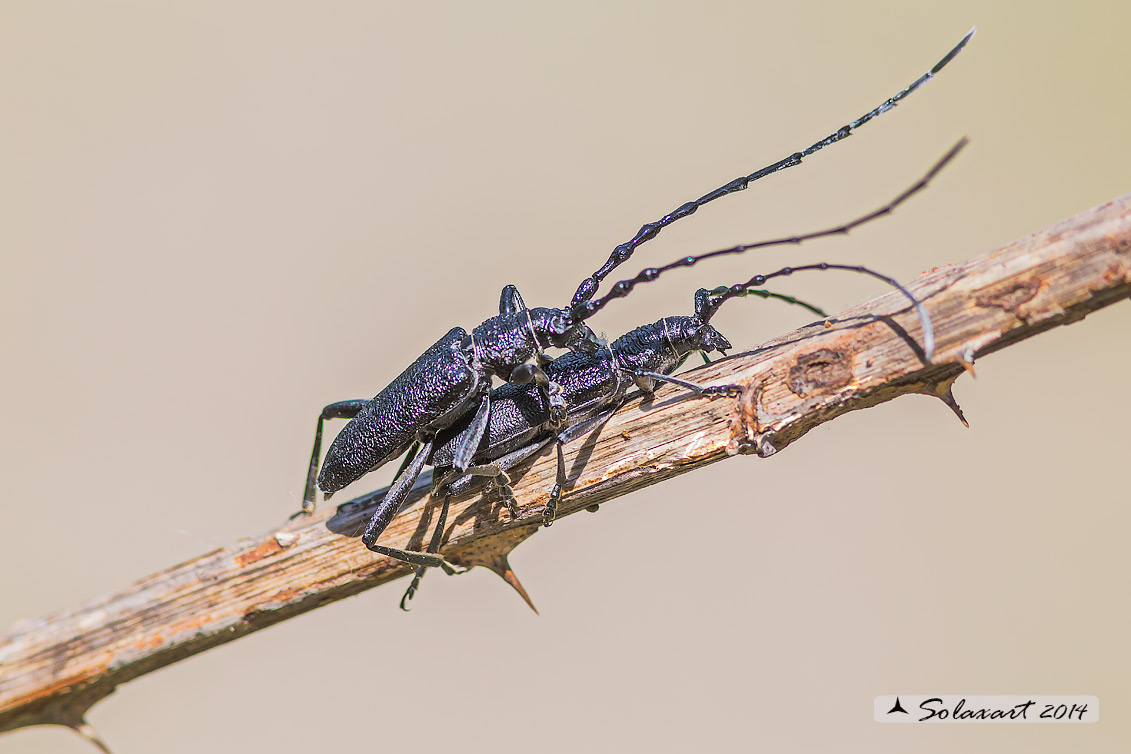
(452, 379)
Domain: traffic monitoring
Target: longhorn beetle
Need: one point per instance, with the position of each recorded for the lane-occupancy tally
(594, 386)
(452, 378)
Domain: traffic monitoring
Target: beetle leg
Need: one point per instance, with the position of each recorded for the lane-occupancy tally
(473, 435)
(394, 498)
(458, 483)
(551, 391)
(557, 404)
(495, 473)
(408, 459)
(427, 560)
(692, 386)
(551, 510)
(433, 548)
(389, 508)
(554, 398)
(339, 410)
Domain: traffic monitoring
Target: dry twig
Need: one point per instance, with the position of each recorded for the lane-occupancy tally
(54, 668)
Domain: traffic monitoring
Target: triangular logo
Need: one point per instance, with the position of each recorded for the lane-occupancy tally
(898, 708)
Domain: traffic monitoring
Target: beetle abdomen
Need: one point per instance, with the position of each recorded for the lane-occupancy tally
(519, 413)
(432, 391)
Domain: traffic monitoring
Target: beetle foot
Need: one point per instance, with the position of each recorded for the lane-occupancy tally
(551, 510)
(731, 390)
(412, 587)
(510, 502)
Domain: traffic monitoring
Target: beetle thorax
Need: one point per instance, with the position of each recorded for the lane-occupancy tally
(664, 344)
(505, 341)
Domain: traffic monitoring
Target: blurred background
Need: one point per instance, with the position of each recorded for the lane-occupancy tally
(215, 218)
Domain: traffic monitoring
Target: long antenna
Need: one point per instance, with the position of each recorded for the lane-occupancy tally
(587, 309)
(621, 254)
(719, 295)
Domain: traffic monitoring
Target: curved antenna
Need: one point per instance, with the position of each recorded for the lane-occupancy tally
(587, 309)
(620, 254)
(706, 306)
(758, 281)
(759, 293)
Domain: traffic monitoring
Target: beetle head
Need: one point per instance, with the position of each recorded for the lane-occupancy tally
(564, 332)
(693, 334)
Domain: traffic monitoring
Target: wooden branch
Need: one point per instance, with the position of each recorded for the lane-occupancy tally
(54, 668)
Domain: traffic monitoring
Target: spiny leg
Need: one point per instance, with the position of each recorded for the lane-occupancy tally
(340, 410)
(621, 253)
(433, 548)
(622, 288)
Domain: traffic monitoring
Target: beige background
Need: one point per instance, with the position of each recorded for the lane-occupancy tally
(217, 217)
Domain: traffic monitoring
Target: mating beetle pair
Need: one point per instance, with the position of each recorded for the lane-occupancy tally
(593, 387)
(444, 401)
